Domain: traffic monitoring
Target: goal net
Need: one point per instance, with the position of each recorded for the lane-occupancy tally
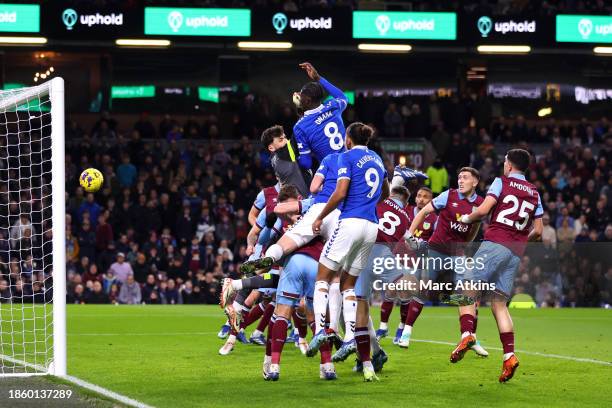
(32, 231)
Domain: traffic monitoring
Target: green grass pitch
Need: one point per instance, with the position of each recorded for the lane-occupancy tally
(166, 356)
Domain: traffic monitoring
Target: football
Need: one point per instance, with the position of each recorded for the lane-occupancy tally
(91, 180)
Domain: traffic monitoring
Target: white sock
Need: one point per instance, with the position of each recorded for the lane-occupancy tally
(465, 334)
(231, 338)
(256, 333)
(373, 342)
(383, 326)
(349, 309)
(267, 359)
(401, 326)
(237, 284)
(335, 306)
(368, 364)
(407, 330)
(507, 356)
(320, 304)
(275, 252)
(237, 307)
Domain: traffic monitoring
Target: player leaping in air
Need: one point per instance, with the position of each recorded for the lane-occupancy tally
(515, 205)
(320, 131)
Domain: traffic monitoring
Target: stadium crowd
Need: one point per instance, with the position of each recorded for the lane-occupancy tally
(171, 219)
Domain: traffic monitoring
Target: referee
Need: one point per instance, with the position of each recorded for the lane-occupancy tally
(284, 159)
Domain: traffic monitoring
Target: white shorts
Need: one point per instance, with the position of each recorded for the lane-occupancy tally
(350, 245)
(301, 233)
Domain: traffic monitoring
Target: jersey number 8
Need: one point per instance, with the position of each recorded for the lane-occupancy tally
(389, 222)
(335, 138)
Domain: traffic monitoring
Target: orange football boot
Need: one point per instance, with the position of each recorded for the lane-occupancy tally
(464, 345)
(508, 369)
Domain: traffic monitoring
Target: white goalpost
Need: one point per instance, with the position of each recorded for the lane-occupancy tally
(32, 231)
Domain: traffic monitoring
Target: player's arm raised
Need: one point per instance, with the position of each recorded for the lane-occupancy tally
(335, 92)
(420, 217)
(482, 211)
(336, 198)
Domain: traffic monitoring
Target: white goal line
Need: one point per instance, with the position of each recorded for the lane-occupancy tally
(77, 381)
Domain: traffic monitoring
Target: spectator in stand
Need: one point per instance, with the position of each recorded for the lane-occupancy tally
(121, 270)
(171, 294)
(92, 274)
(126, 172)
(97, 295)
(437, 177)
(130, 294)
(104, 232)
(76, 296)
(548, 232)
(150, 290)
(90, 207)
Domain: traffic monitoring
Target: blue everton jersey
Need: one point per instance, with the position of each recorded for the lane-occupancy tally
(365, 169)
(320, 131)
(328, 170)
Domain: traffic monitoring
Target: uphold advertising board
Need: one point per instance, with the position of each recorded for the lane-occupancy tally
(404, 25)
(197, 21)
(328, 26)
(486, 29)
(19, 18)
(585, 29)
(69, 21)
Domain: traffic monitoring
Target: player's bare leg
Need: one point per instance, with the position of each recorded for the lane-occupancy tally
(506, 335)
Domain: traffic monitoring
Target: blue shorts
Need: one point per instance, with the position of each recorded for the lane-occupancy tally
(374, 274)
(297, 280)
(500, 266)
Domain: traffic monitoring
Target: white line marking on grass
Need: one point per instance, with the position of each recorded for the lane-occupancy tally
(92, 387)
(533, 353)
(107, 393)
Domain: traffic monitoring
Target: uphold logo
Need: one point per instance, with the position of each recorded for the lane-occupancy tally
(383, 23)
(484, 25)
(175, 20)
(279, 22)
(69, 17)
(585, 27)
